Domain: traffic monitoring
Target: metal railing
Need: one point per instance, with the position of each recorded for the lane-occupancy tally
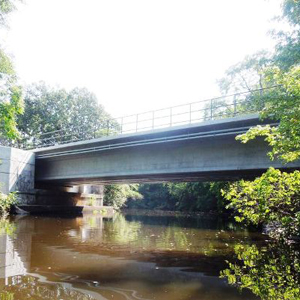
(185, 114)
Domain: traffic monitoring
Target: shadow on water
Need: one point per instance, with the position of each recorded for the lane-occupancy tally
(126, 257)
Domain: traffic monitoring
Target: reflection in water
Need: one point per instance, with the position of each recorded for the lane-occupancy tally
(15, 249)
(272, 272)
(127, 257)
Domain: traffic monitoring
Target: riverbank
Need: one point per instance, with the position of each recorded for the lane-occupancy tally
(159, 213)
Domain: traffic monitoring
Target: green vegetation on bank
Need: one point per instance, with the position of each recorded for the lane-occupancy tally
(116, 195)
(184, 196)
(271, 272)
(6, 202)
(273, 199)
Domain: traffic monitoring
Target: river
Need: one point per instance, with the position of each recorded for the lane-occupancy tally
(126, 257)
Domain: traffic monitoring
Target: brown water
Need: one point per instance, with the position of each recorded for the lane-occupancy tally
(122, 258)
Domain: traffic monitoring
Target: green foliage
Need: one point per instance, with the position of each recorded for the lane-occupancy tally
(185, 196)
(283, 104)
(6, 7)
(246, 75)
(6, 202)
(11, 103)
(155, 196)
(47, 109)
(116, 195)
(250, 73)
(197, 196)
(271, 272)
(287, 52)
(273, 198)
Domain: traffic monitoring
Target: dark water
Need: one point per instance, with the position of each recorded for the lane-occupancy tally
(122, 258)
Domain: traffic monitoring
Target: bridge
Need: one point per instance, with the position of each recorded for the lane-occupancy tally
(206, 151)
(191, 142)
(194, 141)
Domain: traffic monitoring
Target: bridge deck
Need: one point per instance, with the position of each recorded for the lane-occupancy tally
(205, 151)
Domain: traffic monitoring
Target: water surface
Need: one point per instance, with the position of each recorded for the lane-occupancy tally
(127, 257)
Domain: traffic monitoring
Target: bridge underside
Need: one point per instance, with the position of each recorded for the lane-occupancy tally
(179, 177)
(199, 152)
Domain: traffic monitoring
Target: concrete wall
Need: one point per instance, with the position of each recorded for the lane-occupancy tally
(17, 170)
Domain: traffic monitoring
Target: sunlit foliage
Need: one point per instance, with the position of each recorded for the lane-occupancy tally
(273, 198)
(6, 202)
(117, 194)
(66, 116)
(283, 104)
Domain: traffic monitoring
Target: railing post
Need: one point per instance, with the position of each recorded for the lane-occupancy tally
(137, 123)
(211, 109)
(234, 106)
(107, 133)
(121, 125)
(153, 118)
(190, 113)
(170, 116)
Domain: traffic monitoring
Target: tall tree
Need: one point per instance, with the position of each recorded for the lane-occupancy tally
(273, 198)
(10, 93)
(11, 103)
(287, 52)
(6, 7)
(57, 115)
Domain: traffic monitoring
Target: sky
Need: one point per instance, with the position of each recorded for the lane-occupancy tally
(136, 55)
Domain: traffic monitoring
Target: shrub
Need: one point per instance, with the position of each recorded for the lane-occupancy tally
(6, 202)
(273, 198)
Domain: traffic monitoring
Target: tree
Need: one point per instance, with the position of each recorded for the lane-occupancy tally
(10, 93)
(246, 75)
(117, 194)
(6, 7)
(287, 52)
(53, 115)
(280, 104)
(249, 74)
(273, 198)
(11, 103)
(184, 196)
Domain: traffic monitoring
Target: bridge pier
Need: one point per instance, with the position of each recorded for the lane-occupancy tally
(17, 174)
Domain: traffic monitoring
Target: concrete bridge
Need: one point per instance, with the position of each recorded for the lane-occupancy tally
(205, 151)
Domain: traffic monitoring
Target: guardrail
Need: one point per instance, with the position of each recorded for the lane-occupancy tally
(190, 113)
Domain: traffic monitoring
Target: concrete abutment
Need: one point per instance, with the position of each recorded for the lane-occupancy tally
(17, 174)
